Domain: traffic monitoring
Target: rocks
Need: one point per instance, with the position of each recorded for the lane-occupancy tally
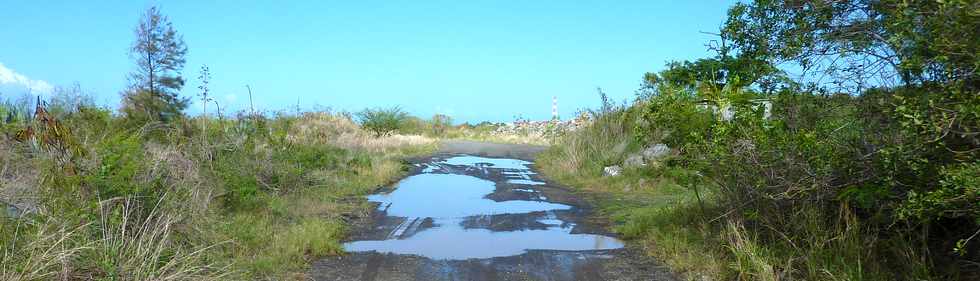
(651, 155)
(655, 152)
(612, 171)
(548, 127)
(633, 161)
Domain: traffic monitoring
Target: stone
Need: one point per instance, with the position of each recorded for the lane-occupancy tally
(612, 171)
(655, 152)
(634, 161)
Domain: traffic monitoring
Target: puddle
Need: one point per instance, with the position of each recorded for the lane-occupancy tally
(451, 241)
(525, 182)
(446, 196)
(496, 163)
(461, 223)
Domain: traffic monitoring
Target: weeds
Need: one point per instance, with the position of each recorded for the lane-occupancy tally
(40, 251)
(760, 214)
(137, 244)
(257, 199)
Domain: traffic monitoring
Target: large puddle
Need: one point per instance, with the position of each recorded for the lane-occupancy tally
(443, 213)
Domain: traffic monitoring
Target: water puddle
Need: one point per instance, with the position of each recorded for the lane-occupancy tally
(445, 214)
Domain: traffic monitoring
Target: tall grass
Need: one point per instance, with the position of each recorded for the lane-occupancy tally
(138, 244)
(604, 142)
(341, 131)
(38, 252)
(701, 236)
(258, 198)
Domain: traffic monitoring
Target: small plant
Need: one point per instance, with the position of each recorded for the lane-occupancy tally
(205, 95)
(382, 121)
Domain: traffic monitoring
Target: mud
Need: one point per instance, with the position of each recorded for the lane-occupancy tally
(462, 217)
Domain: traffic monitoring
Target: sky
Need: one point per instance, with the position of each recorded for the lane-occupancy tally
(472, 60)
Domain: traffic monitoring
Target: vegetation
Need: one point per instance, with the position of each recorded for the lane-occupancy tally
(383, 121)
(387, 121)
(158, 52)
(257, 200)
(151, 194)
(869, 176)
(825, 140)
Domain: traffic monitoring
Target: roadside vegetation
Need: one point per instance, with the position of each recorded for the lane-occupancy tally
(824, 141)
(520, 131)
(863, 167)
(149, 193)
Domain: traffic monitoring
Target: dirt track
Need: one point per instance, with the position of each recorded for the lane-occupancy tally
(495, 150)
(626, 263)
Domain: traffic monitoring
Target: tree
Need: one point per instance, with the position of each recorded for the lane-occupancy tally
(441, 123)
(159, 55)
(915, 64)
(856, 42)
(382, 121)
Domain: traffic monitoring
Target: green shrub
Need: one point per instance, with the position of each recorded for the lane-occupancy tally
(440, 124)
(822, 156)
(120, 162)
(236, 171)
(382, 121)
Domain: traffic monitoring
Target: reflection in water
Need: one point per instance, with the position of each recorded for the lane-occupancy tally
(448, 199)
(496, 163)
(451, 196)
(451, 241)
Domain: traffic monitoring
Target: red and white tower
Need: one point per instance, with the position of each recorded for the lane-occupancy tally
(554, 108)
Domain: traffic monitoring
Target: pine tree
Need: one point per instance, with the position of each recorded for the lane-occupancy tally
(155, 85)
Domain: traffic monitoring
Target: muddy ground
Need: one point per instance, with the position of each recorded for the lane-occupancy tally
(628, 263)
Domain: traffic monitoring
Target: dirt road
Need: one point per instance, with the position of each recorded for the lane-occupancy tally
(479, 211)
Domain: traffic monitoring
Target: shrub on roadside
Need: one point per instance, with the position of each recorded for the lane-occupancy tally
(382, 121)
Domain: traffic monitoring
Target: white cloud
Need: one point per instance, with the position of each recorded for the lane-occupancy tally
(9, 76)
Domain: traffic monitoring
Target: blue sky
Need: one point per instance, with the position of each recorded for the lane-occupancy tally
(473, 60)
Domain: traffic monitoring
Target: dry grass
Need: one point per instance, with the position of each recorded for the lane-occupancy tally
(173, 223)
(44, 256)
(341, 131)
(132, 245)
(18, 178)
(751, 262)
(180, 174)
(603, 142)
(532, 138)
(138, 245)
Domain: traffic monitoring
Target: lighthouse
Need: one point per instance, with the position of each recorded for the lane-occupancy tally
(554, 108)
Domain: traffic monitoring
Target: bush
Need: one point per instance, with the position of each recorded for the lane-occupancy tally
(382, 121)
(119, 164)
(862, 174)
(142, 106)
(440, 124)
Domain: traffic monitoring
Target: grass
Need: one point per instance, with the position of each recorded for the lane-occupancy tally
(250, 198)
(279, 238)
(45, 249)
(646, 206)
(657, 208)
(648, 210)
(482, 135)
